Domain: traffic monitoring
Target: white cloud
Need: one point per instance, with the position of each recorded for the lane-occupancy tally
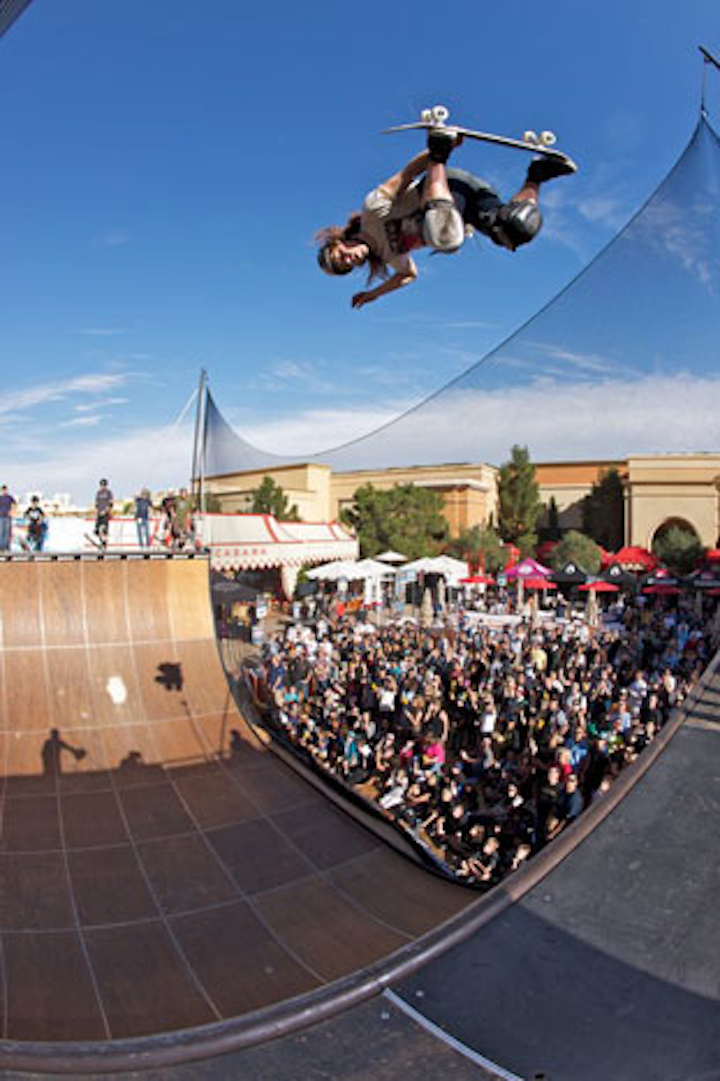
(100, 332)
(305, 433)
(608, 418)
(90, 421)
(583, 362)
(286, 374)
(103, 403)
(556, 419)
(131, 459)
(608, 210)
(115, 238)
(686, 233)
(14, 401)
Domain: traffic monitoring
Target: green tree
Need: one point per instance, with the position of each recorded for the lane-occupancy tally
(552, 531)
(269, 498)
(678, 548)
(603, 511)
(481, 546)
(576, 548)
(520, 505)
(405, 517)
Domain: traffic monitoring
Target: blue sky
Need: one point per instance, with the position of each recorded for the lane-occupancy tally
(166, 164)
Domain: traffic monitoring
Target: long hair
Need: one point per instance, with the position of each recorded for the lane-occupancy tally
(377, 268)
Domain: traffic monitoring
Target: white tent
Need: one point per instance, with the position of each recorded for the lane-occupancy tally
(451, 569)
(368, 571)
(349, 570)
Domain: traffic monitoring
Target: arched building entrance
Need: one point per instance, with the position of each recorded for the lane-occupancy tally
(672, 489)
(673, 523)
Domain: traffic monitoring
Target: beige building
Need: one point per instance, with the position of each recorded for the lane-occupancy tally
(660, 490)
(672, 489)
(568, 483)
(307, 486)
(470, 492)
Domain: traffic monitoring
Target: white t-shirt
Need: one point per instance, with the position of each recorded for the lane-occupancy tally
(393, 226)
(488, 721)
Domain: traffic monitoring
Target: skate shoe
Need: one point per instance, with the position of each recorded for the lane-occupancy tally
(440, 144)
(542, 169)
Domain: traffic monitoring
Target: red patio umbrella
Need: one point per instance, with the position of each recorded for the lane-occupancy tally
(478, 580)
(662, 590)
(538, 583)
(599, 587)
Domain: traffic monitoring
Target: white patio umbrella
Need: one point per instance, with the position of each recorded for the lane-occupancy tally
(391, 557)
(328, 572)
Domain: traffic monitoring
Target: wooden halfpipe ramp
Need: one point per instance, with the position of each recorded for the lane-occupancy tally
(160, 869)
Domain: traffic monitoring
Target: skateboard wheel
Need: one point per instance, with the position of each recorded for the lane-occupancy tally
(440, 114)
(530, 136)
(548, 138)
(426, 116)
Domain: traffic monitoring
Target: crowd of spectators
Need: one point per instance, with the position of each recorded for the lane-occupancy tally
(483, 742)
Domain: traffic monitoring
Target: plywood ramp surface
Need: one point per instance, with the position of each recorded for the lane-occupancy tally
(160, 868)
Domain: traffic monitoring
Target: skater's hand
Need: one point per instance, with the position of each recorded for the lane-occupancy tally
(361, 298)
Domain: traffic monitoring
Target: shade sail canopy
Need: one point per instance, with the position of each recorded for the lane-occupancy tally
(632, 336)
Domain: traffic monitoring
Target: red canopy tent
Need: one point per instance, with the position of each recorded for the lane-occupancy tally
(634, 558)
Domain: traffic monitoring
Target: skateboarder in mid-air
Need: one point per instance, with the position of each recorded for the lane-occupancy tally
(430, 205)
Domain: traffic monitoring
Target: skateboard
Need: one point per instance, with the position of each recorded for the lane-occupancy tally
(437, 117)
(96, 543)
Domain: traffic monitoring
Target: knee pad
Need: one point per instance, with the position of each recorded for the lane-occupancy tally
(516, 223)
(443, 227)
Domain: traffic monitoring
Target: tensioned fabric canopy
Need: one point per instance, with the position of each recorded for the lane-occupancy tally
(632, 340)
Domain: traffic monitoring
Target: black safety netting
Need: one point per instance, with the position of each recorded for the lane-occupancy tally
(625, 360)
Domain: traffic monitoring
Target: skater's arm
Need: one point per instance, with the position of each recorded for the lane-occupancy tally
(396, 281)
(399, 182)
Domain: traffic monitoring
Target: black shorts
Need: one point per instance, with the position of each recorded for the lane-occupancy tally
(476, 200)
